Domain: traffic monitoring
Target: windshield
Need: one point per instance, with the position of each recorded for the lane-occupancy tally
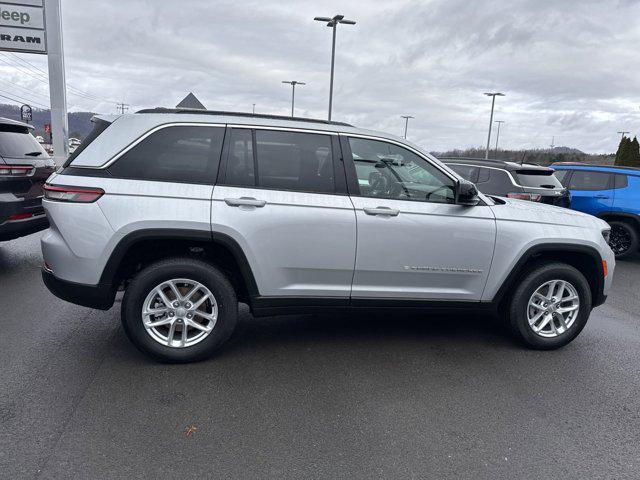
(17, 142)
(537, 179)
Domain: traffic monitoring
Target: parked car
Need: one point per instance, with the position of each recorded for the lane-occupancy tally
(190, 212)
(511, 179)
(24, 167)
(610, 193)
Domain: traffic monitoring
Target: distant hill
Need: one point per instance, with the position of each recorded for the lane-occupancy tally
(539, 156)
(79, 122)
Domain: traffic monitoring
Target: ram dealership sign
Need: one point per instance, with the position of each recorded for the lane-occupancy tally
(22, 26)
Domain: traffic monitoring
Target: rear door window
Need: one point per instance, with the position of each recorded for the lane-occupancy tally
(621, 181)
(590, 180)
(185, 154)
(497, 182)
(294, 161)
(468, 172)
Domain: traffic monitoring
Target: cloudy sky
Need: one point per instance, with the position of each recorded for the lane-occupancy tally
(569, 68)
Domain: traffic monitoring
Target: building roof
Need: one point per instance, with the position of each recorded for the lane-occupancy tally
(191, 102)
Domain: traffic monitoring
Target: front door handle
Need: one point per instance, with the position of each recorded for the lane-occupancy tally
(382, 211)
(245, 201)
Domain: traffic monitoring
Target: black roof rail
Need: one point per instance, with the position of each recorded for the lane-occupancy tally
(241, 114)
(475, 159)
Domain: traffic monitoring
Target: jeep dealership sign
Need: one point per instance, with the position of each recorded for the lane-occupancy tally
(22, 26)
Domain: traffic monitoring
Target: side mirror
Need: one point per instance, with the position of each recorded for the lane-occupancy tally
(467, 193)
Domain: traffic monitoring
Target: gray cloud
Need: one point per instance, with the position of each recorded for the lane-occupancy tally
(568, 68)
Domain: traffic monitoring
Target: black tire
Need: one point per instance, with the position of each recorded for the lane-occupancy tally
(529, 283)
(205, 273)
(623, 239)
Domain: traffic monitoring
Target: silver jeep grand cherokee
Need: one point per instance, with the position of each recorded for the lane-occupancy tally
(190, 212)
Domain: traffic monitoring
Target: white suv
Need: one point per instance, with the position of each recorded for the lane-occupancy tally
(192, 211)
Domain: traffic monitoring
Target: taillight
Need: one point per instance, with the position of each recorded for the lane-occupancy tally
(16, 170)
(19, 216)
(72, 194)
(532, 197)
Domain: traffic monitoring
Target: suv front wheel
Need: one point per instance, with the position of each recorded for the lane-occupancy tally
(179, 310)
(550, 306)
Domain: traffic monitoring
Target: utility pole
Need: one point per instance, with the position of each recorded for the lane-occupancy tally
(553, 142)
(623, 133)
(122, 107)
(333, 23)
(406, 123)
(293, 84)
(493, 96)
(499, 122)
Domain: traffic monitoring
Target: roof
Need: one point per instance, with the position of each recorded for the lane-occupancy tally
(603, 168)
(239, 114)
(190, 101)
(489, 162)
(15, 123)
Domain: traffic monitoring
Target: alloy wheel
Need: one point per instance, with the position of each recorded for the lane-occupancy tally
(619, 240)
(553, 308)
(179, 313)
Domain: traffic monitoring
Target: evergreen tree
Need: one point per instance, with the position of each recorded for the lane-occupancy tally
(634, 156)
(624, 149)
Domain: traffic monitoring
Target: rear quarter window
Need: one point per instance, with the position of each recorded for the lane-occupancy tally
(183, 154)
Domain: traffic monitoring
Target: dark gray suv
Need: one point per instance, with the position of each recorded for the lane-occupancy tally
(24, 167)
(512, 180)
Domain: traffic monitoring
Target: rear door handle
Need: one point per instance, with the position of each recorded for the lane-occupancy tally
(382, 211)
(245, 201)
(602, 196)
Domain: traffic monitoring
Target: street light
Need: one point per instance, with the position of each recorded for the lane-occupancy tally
(333, 23)
(493, 96)
(406, 123)
(293, 84)
(499, 122)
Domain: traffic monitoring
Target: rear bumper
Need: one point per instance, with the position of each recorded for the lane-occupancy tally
(100, 296)
(12, 205)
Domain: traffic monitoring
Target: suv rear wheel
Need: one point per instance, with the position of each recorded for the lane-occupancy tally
(550, 306)
(623, 239)
(179, 310)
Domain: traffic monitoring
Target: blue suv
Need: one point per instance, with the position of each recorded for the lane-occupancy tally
(611, 193)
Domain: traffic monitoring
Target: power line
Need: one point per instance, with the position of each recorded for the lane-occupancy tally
(22, 101)
(28, 90)
(37, 73)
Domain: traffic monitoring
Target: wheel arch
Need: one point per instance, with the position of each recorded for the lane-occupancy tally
(141, 247)
(622, 216)
(584, 258)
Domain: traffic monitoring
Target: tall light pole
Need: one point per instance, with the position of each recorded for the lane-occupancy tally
(623, 133)
(499, 122)
(406, 123)
(333, 23)
(254, 109)
(493, 96)
(293, 84)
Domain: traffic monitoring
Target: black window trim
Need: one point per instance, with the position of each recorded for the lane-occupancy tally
(339, 180)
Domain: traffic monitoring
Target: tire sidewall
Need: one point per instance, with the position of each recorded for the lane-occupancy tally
(154, 275)
(529, 284)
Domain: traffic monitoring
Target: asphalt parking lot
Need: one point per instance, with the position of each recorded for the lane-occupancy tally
(371, 396)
